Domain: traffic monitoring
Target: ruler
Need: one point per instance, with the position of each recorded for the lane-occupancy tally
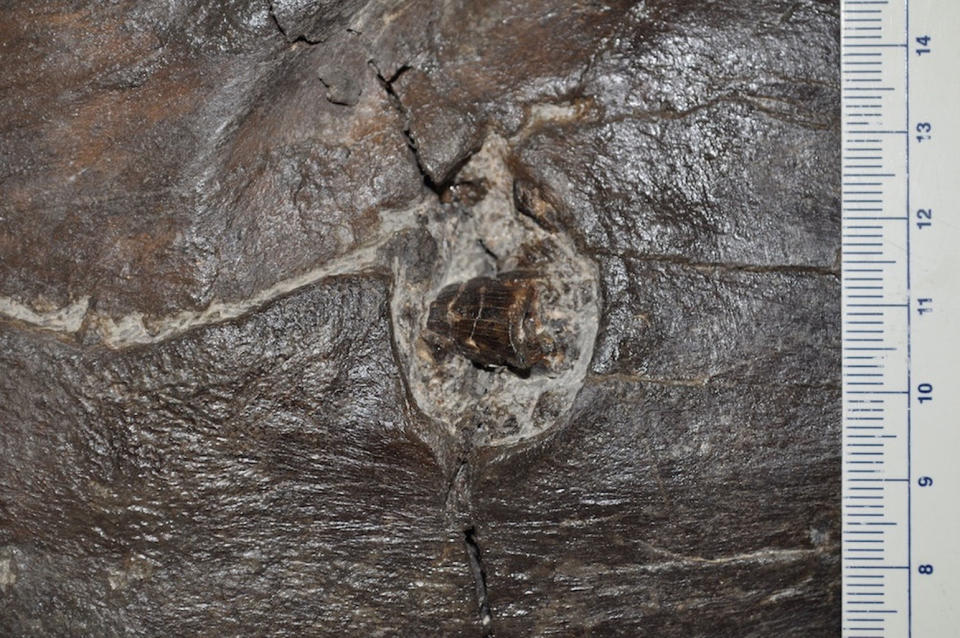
(901, 318)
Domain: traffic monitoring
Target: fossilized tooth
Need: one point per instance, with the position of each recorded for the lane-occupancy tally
(491, 321)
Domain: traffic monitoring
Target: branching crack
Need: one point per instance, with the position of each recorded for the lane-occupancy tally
(475, 557)
(387, 84)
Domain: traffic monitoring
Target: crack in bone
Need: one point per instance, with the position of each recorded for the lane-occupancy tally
(67, 319)
(137, 329)
(479, 572)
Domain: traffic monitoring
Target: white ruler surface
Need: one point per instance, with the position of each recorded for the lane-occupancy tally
(901, 318)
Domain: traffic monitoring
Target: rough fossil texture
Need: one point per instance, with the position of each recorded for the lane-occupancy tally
(221, 228)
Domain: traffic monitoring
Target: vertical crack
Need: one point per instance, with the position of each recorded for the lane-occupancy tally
(475, 557)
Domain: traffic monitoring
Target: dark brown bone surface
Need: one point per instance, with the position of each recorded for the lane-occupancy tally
(491, 321)
(208, 210)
